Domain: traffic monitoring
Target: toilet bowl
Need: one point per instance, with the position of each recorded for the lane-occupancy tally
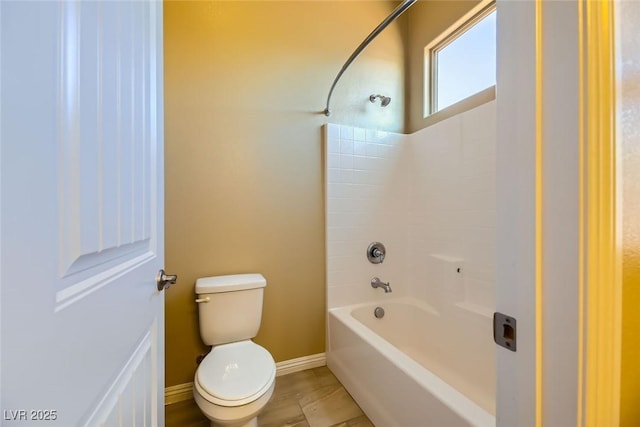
(234, 382)
(236, 379)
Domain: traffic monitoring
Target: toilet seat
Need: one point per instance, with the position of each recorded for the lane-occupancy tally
(235, 374)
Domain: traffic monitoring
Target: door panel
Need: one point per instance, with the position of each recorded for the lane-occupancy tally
(82, 225)
(516, 268)
(130, 400)
(105, 145)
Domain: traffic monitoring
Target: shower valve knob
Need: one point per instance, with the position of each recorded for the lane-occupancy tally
(376, 253)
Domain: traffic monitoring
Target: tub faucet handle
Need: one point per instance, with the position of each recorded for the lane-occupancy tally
(377, 283)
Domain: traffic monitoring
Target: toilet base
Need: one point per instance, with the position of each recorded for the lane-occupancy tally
(233, 416)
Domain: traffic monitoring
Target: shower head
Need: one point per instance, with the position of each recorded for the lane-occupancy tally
(384, 100)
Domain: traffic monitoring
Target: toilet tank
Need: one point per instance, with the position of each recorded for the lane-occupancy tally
(230, 307)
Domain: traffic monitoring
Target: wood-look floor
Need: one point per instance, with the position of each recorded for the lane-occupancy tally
(311, 398)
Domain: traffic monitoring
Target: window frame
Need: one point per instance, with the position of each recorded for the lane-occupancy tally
(475, 15)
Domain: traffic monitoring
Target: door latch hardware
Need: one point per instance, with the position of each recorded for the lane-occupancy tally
(504, 331)
(165, 280)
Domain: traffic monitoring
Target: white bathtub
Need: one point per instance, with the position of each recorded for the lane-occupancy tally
(409, 369)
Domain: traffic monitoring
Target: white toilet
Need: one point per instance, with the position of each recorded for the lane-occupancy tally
(236, 379)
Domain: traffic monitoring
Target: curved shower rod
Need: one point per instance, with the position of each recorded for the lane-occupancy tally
(397, 12)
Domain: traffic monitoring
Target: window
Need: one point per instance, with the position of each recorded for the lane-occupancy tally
(461, 62)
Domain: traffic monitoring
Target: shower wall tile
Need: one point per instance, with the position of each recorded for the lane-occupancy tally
(332, 131)
(333, 146)
(346, 133)
(429, 193)
(346, 146)
(359, 148)
(359, 134)
(453, 206)
(367, 200)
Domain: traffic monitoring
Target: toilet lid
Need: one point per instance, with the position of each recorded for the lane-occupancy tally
(236, 374)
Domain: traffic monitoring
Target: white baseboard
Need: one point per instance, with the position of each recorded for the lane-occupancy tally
(178, 393)
(300, 364)
(181, 392)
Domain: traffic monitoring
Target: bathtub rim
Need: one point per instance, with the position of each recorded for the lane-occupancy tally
(441, 390)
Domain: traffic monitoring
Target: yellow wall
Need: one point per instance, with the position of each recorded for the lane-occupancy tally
(629, 113)
(245, 83)
(426, 21)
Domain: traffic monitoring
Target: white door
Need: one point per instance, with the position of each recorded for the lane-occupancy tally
(557, 245)
(81, 174)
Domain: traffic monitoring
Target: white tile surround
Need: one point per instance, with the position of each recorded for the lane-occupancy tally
(429, 197)
(367, 190)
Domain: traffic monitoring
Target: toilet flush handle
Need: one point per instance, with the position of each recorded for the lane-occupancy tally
(199, 300)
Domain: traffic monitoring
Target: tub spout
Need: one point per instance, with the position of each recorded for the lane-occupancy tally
(377, 283)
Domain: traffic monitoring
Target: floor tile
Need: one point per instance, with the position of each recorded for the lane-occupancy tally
(295, 385)
(329, 406)
(311, 398)
(361, 421)
(281, 412)
(324, 376)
